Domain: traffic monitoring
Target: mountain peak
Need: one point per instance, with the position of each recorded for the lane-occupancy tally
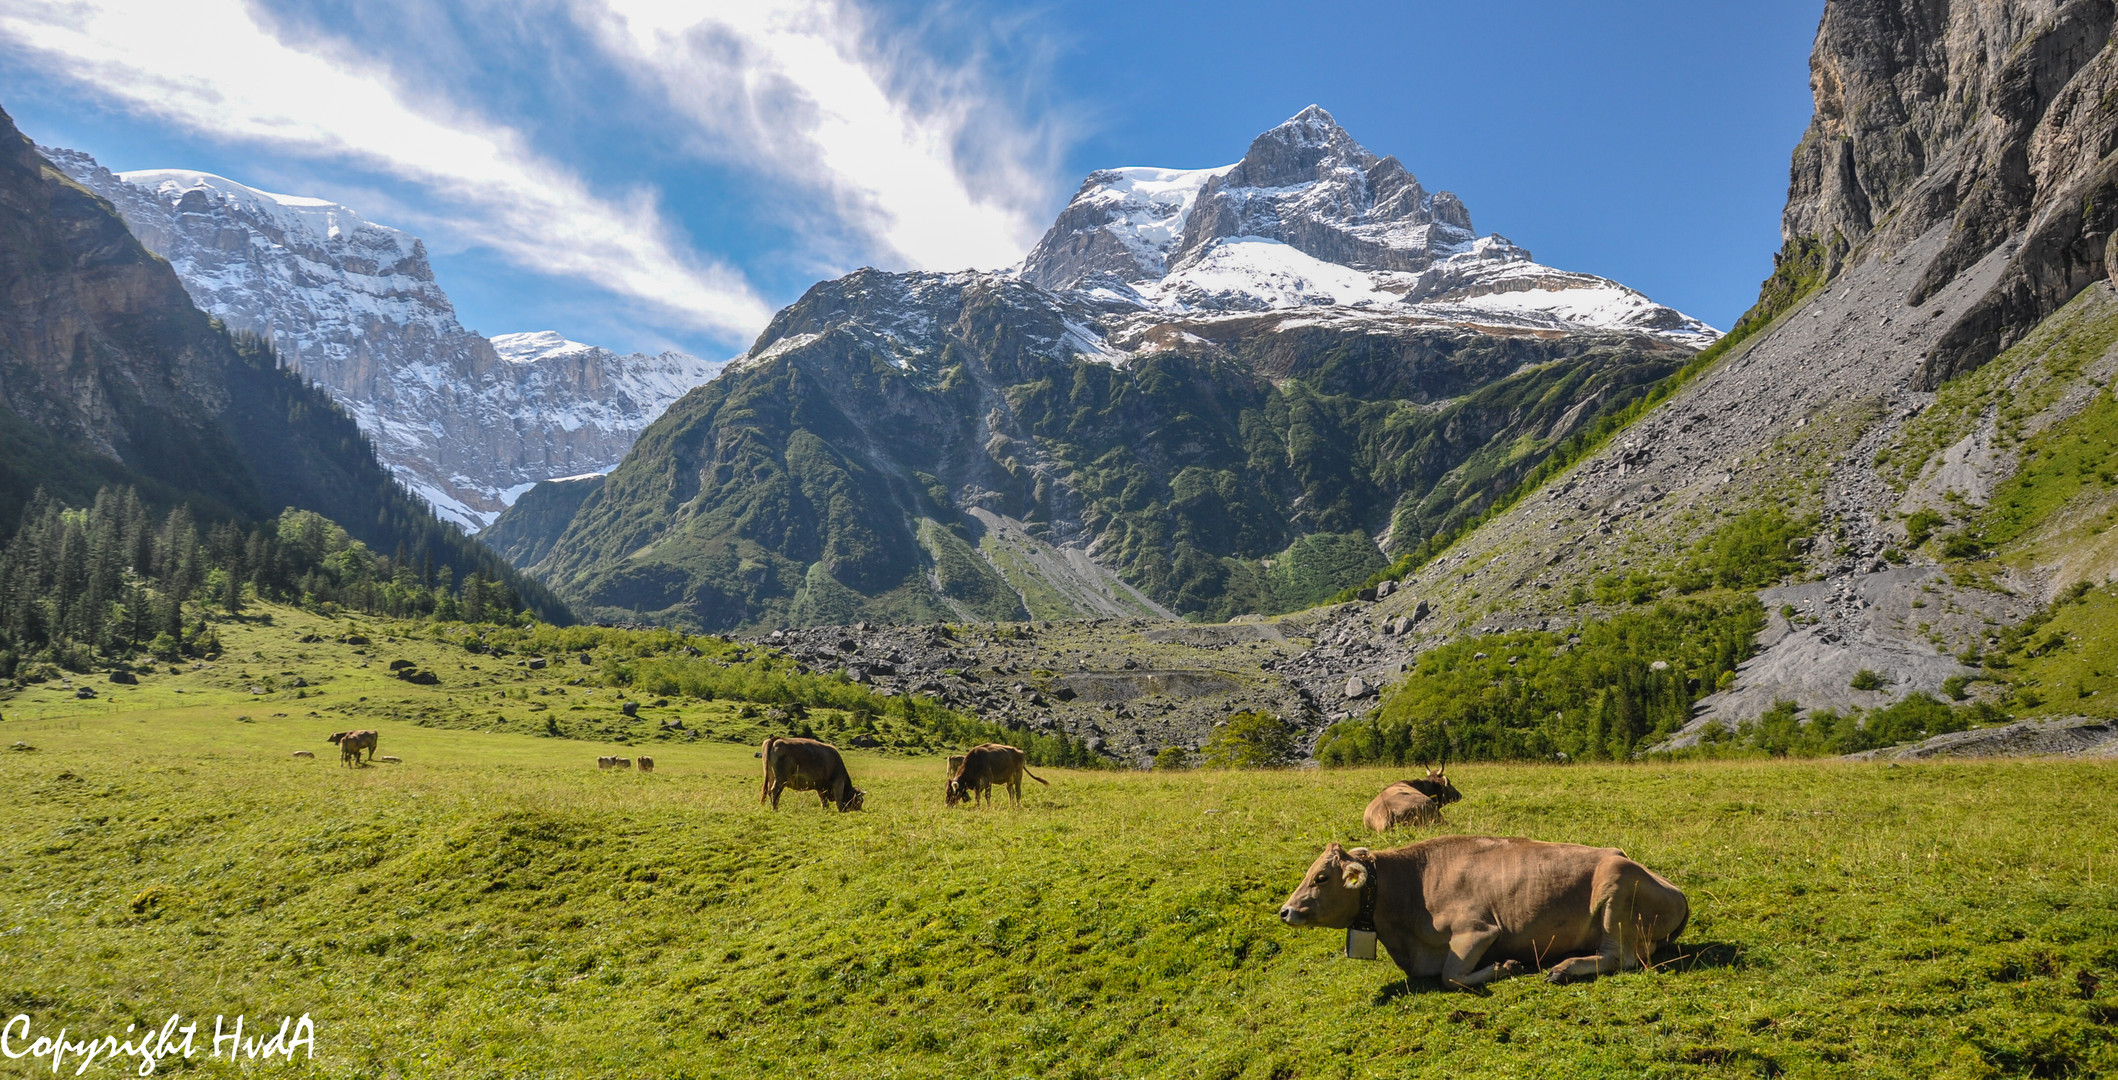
(1296, 151)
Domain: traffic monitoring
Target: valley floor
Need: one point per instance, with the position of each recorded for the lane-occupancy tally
(496, 906)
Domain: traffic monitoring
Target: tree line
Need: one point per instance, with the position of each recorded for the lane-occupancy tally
(118, 578)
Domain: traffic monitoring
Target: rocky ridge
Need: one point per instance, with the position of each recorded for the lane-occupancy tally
(354, 307)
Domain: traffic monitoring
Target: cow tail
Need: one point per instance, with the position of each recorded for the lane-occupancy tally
(1026, 772)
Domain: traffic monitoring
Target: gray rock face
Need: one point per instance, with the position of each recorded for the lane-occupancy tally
(1308, 184)
(355, 308)
(1988, 115)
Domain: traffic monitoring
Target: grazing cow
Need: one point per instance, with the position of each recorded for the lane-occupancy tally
(621, 763)
(304, 754)
(351, 743)
(1442, 906)
(1411, 802)
(808, 765)
(647, 764)
(983, 766)
(605, 762)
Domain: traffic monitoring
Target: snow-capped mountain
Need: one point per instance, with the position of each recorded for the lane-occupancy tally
(465, 423)
(1207, 392)
(1310, 222)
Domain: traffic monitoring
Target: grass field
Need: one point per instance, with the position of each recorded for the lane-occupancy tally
(495, 906)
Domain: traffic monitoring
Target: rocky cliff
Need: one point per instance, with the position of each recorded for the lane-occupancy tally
(1940, 343)
(1207, 393)
(110, 375)
(466, 423)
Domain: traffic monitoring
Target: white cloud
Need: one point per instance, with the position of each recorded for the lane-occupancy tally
(209, 66)
(803, 89)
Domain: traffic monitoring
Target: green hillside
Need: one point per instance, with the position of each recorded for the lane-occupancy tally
(496, 906)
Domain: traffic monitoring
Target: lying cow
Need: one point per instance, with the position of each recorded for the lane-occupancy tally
(808, 765)
(1411, 802)
(351, 743)
(304, 754)
(1443, 906)
(974, 774)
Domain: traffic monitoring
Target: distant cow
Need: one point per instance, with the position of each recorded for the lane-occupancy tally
(605, 762)
(388, 760)
(1443, 905)
(1411, 802)
(351, 743)
(304, 754)
(808, 765)
(647, 764)
(974, 775)
(621, 763)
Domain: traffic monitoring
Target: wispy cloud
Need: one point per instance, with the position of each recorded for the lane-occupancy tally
(916, 155)
(212, 67)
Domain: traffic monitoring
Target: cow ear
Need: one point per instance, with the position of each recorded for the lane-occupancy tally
(1332, 848)
(1360, 853)
(1356, 875)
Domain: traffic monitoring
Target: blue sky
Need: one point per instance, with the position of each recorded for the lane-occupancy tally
(641, 174)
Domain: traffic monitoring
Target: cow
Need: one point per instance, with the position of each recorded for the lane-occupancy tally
(388, 760)
(1444, 906)
(1411, 802)
(621, 763)
(808, 765)
(647, 764)
(983, 766)
(351, 743)
(605, 762)
(304, 754)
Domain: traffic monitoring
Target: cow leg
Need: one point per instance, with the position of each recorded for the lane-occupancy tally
(1460, 967)
(823, 796)
(1015, 792)
(775, 788)
(1620, 948)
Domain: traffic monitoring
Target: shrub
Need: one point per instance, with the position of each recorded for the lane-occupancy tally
(1864, 679)
(1920, 526)
(1249, 740)
(1961, 545)
(1172, 758)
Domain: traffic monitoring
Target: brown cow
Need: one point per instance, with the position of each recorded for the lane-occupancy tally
(1443, 905)
(621, 763)
(647, 764)
(1411, 802)
(351, 743)
(605, 762)
(808, 765)
(983, 766)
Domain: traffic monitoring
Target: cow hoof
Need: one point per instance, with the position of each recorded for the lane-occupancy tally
(1510, 968)
(1558, 975)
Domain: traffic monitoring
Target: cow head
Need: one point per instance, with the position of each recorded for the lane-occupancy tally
(1330, 893)
(852, 800)
(955, 792)
(1436, 786)
(336, 735)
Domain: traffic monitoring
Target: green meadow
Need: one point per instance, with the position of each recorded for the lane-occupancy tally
(494, 906)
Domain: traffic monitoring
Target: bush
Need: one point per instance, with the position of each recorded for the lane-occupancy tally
(1250, 740)
(1172, 758)
(1920, 526)
(1864, 679)
(1961, 545)
(1533, 695)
